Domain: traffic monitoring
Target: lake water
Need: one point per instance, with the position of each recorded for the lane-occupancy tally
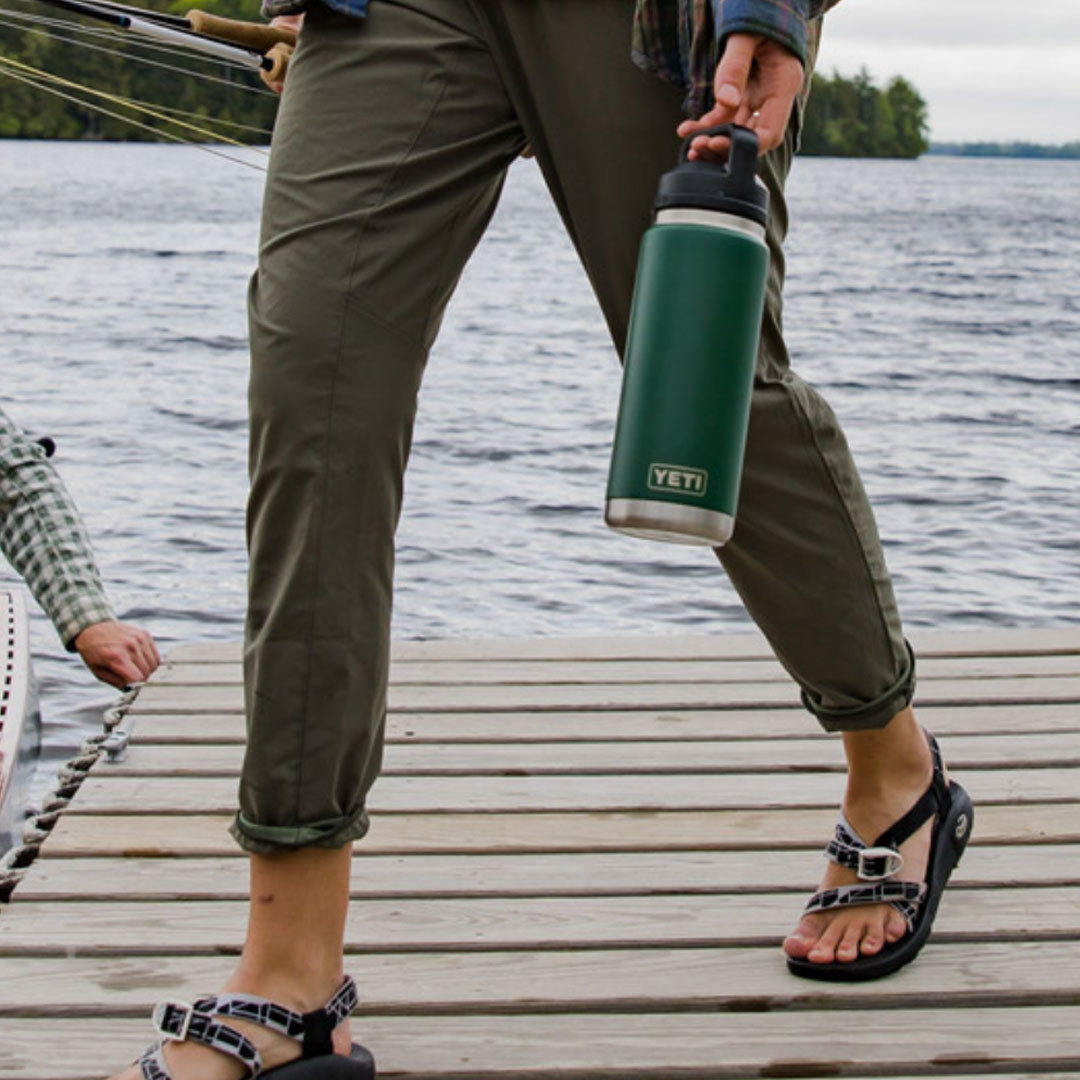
(936, 303)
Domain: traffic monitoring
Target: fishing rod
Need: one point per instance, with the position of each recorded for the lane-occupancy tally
(265, 48)
(48, 28)
(257, 36)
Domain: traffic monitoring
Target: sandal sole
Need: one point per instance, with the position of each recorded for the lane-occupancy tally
(359, 1065)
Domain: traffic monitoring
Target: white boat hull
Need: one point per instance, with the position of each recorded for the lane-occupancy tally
(19, 716)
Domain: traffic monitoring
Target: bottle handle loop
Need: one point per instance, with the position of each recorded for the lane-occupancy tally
(742, 157)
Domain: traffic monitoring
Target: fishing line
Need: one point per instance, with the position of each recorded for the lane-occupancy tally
(117, 99)
(125, 41)
(179, 21)
(126, 37)
(188, 38)
(245, 86)
(42, 80)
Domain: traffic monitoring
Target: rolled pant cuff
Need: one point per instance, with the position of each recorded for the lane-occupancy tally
(277, 839)
(874, 714)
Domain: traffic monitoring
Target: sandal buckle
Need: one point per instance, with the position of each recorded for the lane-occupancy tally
(878, 863)
(165, 1013)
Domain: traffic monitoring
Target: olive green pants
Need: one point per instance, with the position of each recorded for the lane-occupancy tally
(393, 139)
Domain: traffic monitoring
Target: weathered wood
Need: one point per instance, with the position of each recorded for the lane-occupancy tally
(1014, 641)
(648, 1046)
(536, 759)
(570, 671)
(664, 725)
(90, 928)
(612, 980)
(582, 859)
(165, 698)
(652, 873)
(202, 834)
(103, 793)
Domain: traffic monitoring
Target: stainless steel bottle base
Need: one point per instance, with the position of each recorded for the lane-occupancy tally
(672, 522)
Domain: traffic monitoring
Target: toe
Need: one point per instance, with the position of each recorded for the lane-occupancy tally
(895, 926)
(803, 938)
(850, 940)
(824, 950)
(873, 940)
(797, 946)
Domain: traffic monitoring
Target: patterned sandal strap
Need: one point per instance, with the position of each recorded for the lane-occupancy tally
(848, 849)
(882, 859)
(312, 1029)
(904, 896)
(934, 801)
(178, 1021)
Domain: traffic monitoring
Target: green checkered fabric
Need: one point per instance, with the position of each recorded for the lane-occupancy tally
(43, 537)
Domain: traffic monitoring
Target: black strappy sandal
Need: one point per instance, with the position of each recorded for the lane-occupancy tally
(877, 864)
(176, 1021)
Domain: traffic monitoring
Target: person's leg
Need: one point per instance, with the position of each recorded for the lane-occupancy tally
(805, 556)
(390, 149)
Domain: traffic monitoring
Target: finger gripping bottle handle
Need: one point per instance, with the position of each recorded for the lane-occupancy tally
(731, 186)
(742, 157)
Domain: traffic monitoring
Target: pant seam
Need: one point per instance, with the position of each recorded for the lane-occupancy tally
(328, 427)
(853, 532)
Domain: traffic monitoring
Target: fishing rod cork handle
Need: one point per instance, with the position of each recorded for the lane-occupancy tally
(257, 36)
(278, 56)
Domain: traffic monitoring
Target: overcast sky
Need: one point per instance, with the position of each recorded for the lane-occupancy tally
(988, 69)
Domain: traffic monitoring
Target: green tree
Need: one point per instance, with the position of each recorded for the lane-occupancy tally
(853, 118)
(205, 88)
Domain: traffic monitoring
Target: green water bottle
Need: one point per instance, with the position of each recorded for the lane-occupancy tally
(691, 351)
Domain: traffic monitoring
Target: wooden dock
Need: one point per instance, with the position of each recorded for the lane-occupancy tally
(584, 855)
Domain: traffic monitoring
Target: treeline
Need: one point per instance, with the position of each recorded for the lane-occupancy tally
(236, 99)
(845, 117)
(854, 118)
(1070, 150)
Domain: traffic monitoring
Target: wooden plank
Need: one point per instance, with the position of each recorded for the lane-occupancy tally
(104, 793)
(445, 832)
(734, 1046)
(585, 874)
(554, 758)
(1011, 641)
(91, 928)
(612, 980)
(668, 672)
(661, 725)
(160, 697)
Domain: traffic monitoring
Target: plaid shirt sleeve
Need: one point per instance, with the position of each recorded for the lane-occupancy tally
(42, 536)
(679, 40)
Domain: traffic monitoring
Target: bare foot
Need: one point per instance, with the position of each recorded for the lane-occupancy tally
(843, 934)
(193, 1061)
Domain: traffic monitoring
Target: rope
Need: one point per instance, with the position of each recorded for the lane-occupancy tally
(111, 742)
(42, 80)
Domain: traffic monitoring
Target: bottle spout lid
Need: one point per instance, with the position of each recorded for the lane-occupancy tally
(732, 186)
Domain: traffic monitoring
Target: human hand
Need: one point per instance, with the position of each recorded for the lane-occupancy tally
(281, 54)
(755, 85)
(117, 653)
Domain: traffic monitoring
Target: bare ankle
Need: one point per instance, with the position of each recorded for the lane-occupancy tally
(298, 987)
(896, 756)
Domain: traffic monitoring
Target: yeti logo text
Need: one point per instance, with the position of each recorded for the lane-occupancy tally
(677, 478)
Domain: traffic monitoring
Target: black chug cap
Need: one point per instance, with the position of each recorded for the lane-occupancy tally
(731, 187)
